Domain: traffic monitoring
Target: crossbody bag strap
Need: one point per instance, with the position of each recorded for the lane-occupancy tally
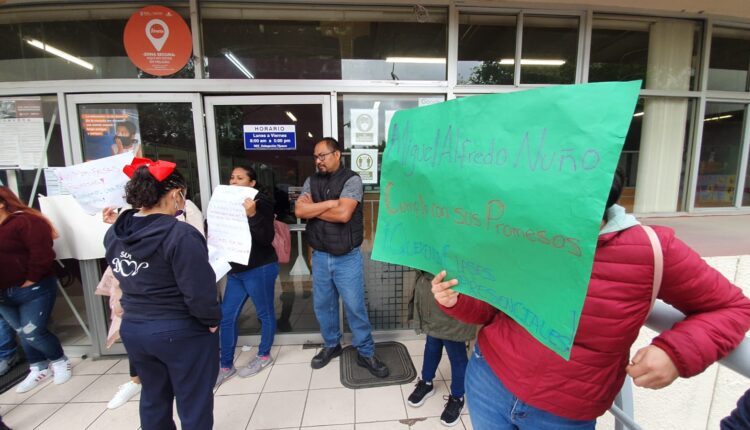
(658, 262)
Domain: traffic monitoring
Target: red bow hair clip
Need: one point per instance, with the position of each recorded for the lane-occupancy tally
(159, 169)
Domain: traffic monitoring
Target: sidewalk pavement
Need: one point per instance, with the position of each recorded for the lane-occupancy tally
(710, 235)
(287, 395)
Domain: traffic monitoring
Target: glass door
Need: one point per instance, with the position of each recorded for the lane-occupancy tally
(275, 135)
(157, 126)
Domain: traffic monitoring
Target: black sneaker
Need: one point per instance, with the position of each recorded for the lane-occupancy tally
(452, 412)
(421, 392)
(324, 356)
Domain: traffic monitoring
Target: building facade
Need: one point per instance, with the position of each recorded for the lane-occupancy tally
(320, 67)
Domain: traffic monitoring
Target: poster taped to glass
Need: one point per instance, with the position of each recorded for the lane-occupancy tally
(110, 130)
(21, 133)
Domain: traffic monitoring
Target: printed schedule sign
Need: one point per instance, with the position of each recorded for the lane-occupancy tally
(506, 192)
(269, 136)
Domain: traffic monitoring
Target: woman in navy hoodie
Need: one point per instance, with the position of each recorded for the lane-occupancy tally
(169, 298)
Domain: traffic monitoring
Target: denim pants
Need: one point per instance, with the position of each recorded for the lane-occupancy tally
(7, 340)
(433, 352)
(493, 407)
(176, 360)
(342, 276)
(27, 310)
(258, 284)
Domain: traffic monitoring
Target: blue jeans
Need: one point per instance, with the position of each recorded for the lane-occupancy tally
(27, 310)
(341, 275)
(493, 407)
(176, 360)
(258, 284)
(433, 352)
(7, 340)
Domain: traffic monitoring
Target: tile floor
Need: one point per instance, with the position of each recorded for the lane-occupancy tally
(288, 395)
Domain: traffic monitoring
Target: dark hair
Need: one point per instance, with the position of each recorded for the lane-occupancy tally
(144, 191)
(14, 204)
(250, 171)
(254, 177)
(618, 182)
(331, 143)
(127, 124)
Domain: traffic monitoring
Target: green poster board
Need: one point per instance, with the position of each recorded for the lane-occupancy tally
(507, 192)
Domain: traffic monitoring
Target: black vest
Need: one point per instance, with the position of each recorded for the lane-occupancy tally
(331, 237)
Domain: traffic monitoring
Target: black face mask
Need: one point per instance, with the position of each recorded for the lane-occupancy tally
(126, 141)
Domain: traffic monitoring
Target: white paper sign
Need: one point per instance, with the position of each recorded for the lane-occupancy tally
(365, 163)
(21, 142)
(21, 132)
(228, 230)
(218, 262)
(54, 187)
(81, 234)
(97, 184)
(364, 126)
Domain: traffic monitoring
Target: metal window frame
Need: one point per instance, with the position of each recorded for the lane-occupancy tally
(73, 100)
(209, 102)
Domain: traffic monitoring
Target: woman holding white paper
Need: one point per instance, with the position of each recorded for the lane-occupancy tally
(256, 280)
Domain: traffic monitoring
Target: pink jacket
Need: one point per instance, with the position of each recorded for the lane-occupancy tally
(617, 303)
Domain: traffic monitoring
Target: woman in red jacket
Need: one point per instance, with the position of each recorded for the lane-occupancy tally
(514, 382)
(28, 288)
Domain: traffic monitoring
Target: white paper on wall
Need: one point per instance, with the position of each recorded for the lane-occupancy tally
(21, 142)
(365, 163)
(364, 127)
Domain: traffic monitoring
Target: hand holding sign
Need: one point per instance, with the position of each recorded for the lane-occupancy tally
(443, 291)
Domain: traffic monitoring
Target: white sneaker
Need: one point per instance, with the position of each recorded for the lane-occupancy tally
(126, 392)
(61, 369)
(33, 379)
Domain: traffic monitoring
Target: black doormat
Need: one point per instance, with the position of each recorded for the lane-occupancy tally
(393, 354)
(14, 376)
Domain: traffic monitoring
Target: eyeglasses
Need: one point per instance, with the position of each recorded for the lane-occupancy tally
(321, 157)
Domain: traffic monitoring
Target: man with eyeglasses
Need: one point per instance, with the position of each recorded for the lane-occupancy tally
(331, 201)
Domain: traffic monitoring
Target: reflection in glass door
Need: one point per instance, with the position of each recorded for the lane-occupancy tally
(282, 161)
(157, 126)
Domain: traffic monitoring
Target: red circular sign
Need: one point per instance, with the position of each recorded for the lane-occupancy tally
(158, 40)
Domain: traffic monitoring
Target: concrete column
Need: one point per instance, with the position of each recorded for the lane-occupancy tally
(663, 134)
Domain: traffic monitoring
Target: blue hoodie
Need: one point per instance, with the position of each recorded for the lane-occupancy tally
(163, 269)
